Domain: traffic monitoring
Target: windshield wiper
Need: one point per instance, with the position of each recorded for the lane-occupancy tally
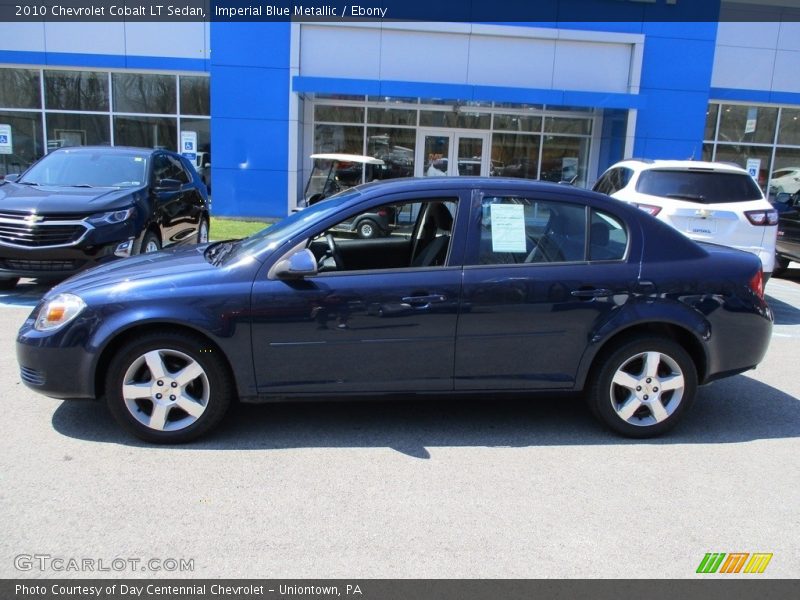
(83, 185)
(693, 197)
(27, 183)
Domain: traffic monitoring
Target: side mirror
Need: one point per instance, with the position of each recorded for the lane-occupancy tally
(168, 185)
(11, 177)
(783, 198)
(297, 265)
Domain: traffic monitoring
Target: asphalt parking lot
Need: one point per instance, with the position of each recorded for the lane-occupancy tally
(476, 488)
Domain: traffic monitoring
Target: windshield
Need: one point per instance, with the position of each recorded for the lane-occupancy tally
(88, 169)
(292, 225)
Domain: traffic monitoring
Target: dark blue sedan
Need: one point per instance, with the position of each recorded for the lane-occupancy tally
(491, 284)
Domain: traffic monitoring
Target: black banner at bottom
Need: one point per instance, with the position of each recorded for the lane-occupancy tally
(715, 588)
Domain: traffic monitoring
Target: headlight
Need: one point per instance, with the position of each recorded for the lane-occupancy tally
(58, 311)
(114, 216)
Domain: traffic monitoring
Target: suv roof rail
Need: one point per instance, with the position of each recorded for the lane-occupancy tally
(648, 161)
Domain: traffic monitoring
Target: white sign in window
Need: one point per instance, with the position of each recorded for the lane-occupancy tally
(6, 145)
(508, 228)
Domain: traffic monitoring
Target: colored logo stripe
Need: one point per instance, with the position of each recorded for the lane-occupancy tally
(758, 563)
(711, 562)
(735, 561)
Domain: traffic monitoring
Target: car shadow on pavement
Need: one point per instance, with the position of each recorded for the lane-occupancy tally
(738, 409)
(784, 314)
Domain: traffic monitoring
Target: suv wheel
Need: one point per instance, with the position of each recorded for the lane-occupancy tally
(202, 232)
(150, 243)
(644, 387)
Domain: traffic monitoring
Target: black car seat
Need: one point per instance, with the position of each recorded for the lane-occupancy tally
(435, 237)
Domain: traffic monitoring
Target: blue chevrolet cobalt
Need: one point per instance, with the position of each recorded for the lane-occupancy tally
(481, 285)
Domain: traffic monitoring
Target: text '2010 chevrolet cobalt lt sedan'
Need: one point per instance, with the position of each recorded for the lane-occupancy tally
(493, 285)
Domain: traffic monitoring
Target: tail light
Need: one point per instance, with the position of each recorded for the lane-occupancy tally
(757, 283)
(648, 208)
(763, 218)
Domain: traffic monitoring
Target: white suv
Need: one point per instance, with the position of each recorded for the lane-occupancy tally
(708, 202)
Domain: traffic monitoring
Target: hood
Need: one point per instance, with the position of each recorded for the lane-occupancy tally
(15, 197)
(168, 269)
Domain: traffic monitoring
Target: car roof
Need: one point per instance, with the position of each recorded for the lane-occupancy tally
(641, 164)
(110, 150)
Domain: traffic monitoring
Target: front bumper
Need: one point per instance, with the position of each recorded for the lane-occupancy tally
(55, 263)
(55, 364)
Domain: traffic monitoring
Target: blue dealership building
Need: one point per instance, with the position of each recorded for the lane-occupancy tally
(555, 99)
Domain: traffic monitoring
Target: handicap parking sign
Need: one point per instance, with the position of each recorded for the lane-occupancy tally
(188, 147)
(189, 144)
(3, 139)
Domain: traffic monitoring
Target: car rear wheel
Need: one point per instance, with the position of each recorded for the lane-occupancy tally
(368, 229)
(202, 232)
(781, 265)
(168, 387)
(9, 284)
(150, 243)
(643, 387)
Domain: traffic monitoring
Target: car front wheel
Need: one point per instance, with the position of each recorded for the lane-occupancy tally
(168, 387)
(150, 243)
(643, 387)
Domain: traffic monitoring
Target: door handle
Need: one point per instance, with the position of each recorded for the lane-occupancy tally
(423, 301)
(590, 293)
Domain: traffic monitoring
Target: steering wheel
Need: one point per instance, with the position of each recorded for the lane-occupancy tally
(333, 251)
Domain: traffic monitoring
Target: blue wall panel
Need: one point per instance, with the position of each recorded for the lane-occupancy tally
(250, 118)
(676, 77)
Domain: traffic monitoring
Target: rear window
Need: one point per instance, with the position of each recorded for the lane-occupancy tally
(707, 187)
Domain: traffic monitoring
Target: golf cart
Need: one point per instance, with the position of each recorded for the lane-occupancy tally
(333, 173)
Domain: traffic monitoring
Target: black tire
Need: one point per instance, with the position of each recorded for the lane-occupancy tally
(367, 229)
(9, 284)
(209, 392)
(150, 240)
(781, 265)
(203, 223)
(608, 398)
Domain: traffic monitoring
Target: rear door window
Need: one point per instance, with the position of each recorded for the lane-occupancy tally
(706, 187)
(613, 180)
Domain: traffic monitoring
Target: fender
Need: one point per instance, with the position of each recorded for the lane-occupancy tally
(228, 330)
(644, 311)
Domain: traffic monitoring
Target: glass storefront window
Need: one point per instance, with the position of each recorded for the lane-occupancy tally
(740, 154)
(26, 137)
(460, 120)
(141, 93)
(574, 126)
(195, 95)
(19, 88)
(515, 155)
(517, 123)
(708, 152)
(752, 124)
(67, 129)
(785, 176)
(339, 114)
(348, 139)
(146, 132)
(711, 121)
(565, 159)
(789, 132)
(76, 90)
(391, 116)
(203, 129)
(395, 147)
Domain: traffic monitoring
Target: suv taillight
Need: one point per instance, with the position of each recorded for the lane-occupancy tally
(762, 217)
(648, 208)
(757, 283)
